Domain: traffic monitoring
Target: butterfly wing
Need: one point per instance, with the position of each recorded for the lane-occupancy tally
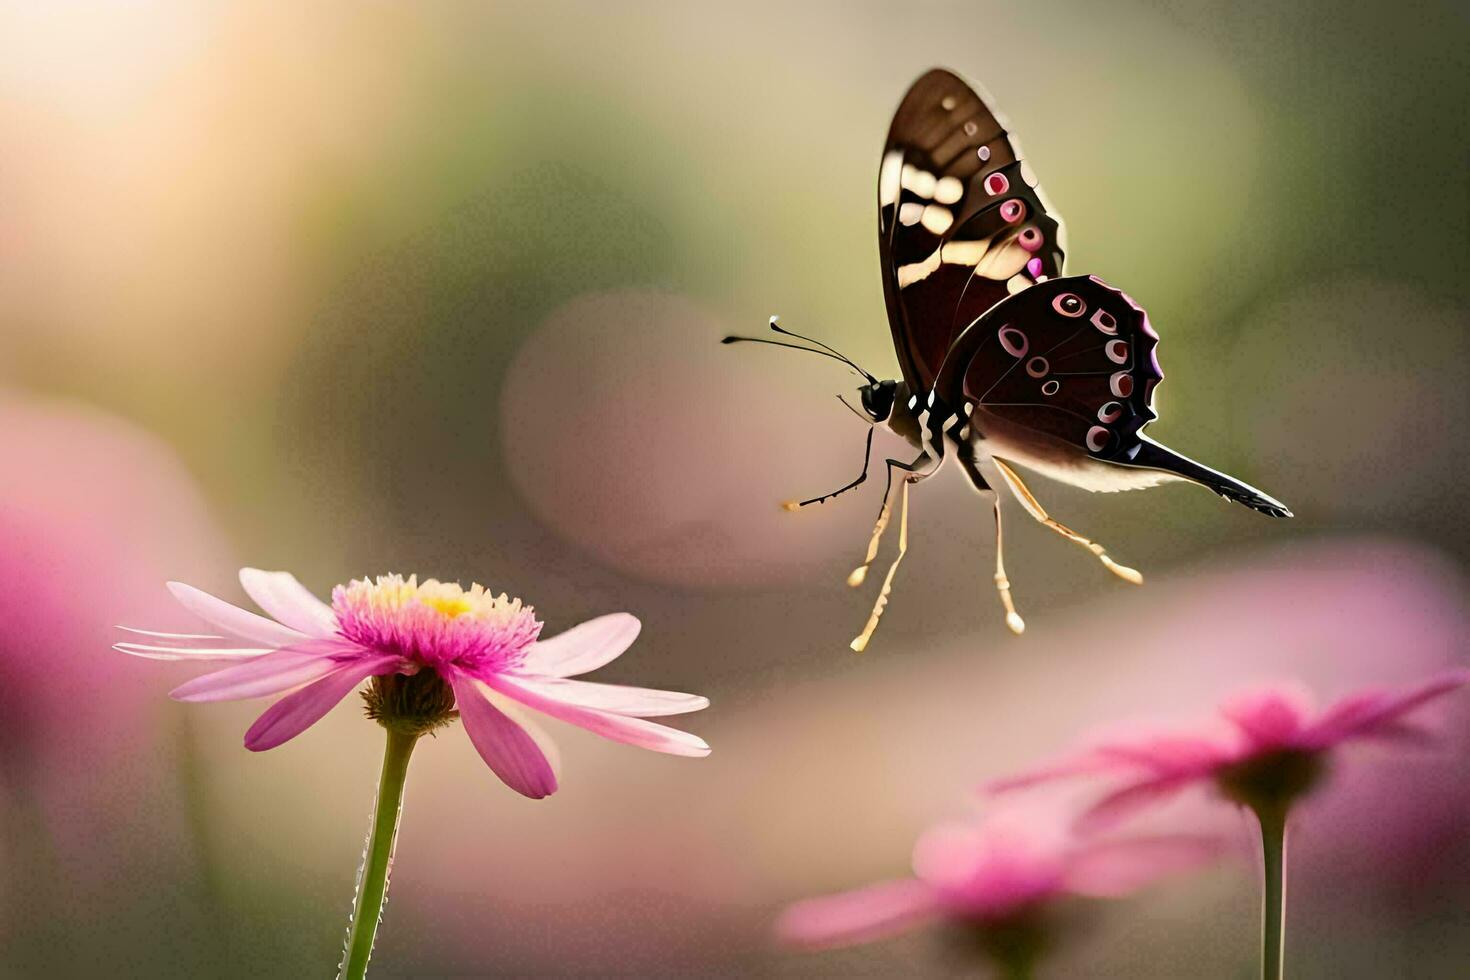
(961, 222)
(1069, 364)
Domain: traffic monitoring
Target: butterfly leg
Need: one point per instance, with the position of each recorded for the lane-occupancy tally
(1034, 508)
(867, 455)
(913, 473)
(968, 463)
(857, 575)
(860, 643)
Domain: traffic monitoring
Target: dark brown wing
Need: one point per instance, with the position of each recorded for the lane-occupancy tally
(1069, 360)
(961, 222)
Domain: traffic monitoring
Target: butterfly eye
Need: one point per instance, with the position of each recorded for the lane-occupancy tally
(1030, 238)
(1117, 351)
(1110, 412)
(1097, 438)
(1037, 367)
(1051, 387)
(983, 153)
(1105, 322)
(997, 184)
(1013, 211)
(1121, 384)
(1069, 304)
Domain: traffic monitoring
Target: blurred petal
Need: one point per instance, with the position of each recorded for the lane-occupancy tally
(299, 710)
(619, 728)
(1108, 869)
(505, 746)
(1130, 799)
(859, 916)
(1357, 719)
(1268, 718)
(278, 671)
(233, 619)
(584, 647)
(286, 599)
(1084, 764)
(640, 702)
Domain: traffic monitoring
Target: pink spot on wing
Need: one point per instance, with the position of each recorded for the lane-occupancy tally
(1012, 210)
(1097, 438)
(1034, 267)
(1013, 340)
(1030, 238)
(997, 184)
(1117, 351)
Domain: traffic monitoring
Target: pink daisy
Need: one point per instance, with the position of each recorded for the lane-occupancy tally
(1270, 748)
(431, 648)
(996, 880)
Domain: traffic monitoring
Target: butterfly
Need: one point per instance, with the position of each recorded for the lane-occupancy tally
(1008, 363)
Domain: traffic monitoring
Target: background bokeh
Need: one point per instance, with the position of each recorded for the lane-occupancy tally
(355, 288)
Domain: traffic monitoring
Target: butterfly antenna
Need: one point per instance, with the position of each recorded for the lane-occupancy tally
(812, 340)
(735, 339)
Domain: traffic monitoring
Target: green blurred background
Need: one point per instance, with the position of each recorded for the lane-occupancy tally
(437, 287)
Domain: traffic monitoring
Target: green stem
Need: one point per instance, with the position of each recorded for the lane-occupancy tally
(372, 879)
(1272, 821)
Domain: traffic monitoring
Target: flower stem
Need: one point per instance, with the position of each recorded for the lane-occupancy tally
(1272, 820)
(372, 878)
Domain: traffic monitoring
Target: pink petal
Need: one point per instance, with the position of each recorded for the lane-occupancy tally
(1336, 726)
(1130, 799)
(505, 746)
(1171, 755)
(619, 728)
(155, 652)
(1109, 869)
(299, 710)
(859, 916)
(1268, 719)
(286, 599)
(640, 702)
(233, 619)
(582, 648)
(1083, 764)
(278, 671)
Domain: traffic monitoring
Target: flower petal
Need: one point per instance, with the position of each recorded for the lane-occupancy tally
(153, 652)
(299, 710)
(1270, 718)
(619, 728)
(640, 702)
(233, 619)
(1112, 868)
(582, 648)
(290, 602)
(859, 916)
(186, 646)
(505, 746)
(1082, 764)
(277, 671)
(1124, 802)
(1368, 713)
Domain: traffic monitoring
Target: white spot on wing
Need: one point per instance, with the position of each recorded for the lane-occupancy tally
(937, 219)
(909, 213)
(915, 271)
(921, 182)
(949, 190)
(888, 177)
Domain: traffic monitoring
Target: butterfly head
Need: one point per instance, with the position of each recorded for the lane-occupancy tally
(878, 398)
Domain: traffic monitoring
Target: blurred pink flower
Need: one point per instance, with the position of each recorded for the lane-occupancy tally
(464, 646)
(1272, 749)
(994, 876)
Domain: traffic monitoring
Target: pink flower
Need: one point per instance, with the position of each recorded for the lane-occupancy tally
(1269, 749)
(996, 877)
(431, 647)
